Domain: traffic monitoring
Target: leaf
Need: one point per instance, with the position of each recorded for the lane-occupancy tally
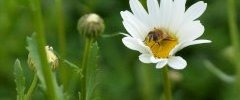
(75, 68)
(91, 69)
(33, 54)
(19, 80)
(72, 65)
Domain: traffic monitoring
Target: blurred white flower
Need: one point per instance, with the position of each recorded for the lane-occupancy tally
(162, 31)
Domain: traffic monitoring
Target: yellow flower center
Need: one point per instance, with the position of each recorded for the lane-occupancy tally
(160, 42)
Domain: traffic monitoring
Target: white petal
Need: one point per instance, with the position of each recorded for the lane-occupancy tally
(195, 11)
(153, 7)
(165, 13)
(186, 44)
(154, 60)
(133, 25)
(190, 31)
(180, 5)
(177, 62)
(153, 10)
(138, 10)
(134, 44)
(177, 14)
(194, 43)
(161, 64)
(132, 30)
(145, 58)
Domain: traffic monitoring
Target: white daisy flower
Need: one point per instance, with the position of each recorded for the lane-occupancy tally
(162, 31)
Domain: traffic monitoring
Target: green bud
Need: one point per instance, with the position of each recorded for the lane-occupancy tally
(91, 26)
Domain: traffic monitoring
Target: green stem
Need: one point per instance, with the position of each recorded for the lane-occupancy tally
(61, 41)
(60, 26)
(45, 68)
(145, 82)
(32, 87)
(88, 43)
(79, 96)
(235, 40)
(166, 84)
(220, 74)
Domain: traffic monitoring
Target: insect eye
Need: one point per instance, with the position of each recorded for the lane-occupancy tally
(155, 37)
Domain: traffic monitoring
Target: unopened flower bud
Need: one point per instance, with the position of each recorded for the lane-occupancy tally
(91, 26)
(51, 58)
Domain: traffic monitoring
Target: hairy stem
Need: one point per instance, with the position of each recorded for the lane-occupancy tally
(88, 43)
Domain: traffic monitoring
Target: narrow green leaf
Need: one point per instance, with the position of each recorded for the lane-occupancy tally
(75, 68)
(72, 65)
(19, 80)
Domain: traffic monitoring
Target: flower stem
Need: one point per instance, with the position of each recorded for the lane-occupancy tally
(235, 40)
(88, 43)
(45, 68)
(32, 87)
(166, 84)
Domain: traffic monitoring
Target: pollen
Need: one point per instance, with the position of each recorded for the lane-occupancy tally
(160, 42)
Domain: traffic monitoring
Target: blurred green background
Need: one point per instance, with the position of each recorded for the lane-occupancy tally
(123, 76)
